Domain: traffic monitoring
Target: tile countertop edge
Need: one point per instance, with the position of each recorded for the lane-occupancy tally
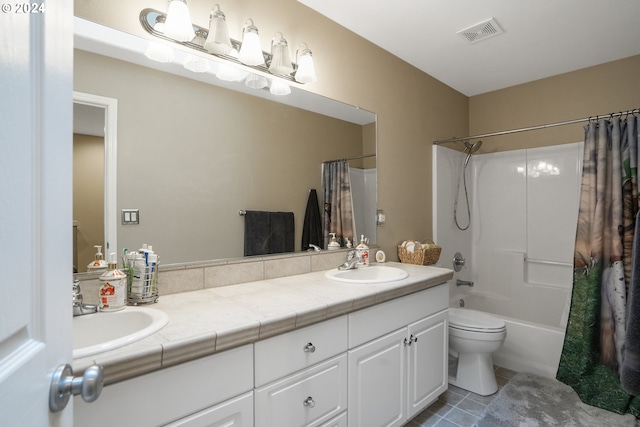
(129, 361)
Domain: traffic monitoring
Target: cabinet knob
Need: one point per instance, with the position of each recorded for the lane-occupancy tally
(308, 402)
(309, 348)
(413, 339)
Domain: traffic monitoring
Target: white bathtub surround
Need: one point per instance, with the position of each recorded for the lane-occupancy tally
(519, 248)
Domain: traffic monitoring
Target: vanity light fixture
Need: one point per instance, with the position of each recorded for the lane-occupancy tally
(196, 63)
(229, 53)
(306, 72)
(280, 59)
(218, 40)
(178, 24)
(250, 52)
(156, 51)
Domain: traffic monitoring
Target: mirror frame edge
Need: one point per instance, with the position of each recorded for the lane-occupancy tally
(110, 106)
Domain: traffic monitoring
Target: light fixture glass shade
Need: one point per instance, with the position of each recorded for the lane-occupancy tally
(255, 81)
(159, 52)
(196, 63)
(279, 88)
(218, 40)
(230, 73)
(280, 59)
(306, 72)
(250, 51)
(178, 25)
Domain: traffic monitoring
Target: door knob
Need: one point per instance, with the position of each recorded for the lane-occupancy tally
(64, 385)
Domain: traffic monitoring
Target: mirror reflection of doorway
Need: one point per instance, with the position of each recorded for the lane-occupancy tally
(88, 183)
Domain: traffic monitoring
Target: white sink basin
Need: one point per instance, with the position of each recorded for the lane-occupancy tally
(371, 274)
(103, 331)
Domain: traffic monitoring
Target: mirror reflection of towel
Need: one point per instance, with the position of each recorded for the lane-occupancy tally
(268, 232)
(312, 226)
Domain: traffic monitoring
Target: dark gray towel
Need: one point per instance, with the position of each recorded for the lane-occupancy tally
(630, 372)
(312, 226)
(268, 232)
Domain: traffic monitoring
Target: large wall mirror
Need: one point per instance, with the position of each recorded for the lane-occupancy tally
(191, 154)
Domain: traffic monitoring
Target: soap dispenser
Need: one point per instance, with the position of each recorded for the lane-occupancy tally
(113, 287)
(362, 250)
(98, 264)
(333, 244)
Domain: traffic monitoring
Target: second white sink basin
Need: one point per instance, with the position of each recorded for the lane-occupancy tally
(103, 331)
(371, 274)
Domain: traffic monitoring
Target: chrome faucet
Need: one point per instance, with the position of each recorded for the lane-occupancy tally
(464, 283)
(351, 262)
(313, 247)
(79, 308)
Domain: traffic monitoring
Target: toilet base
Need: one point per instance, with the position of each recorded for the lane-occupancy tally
(475, 374)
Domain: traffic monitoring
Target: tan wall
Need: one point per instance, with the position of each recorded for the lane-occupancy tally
(413, 108)
(602, 89)
(88, 196)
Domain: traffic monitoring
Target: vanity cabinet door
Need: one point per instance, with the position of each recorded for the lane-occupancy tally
(236, 412)
(308, 398)
(377, 384)
(428, 361)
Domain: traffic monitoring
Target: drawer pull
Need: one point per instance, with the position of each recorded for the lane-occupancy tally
(309, 348)
(308, 402)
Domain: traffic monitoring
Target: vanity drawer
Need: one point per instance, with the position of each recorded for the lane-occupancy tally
(373, 322)
(285, 354)
(309, 398)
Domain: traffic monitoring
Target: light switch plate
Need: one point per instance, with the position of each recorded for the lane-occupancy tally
(130, 216)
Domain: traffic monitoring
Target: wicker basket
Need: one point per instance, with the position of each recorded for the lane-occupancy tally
(420, 256)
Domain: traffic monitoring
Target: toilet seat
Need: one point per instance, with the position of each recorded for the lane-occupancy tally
(475, 321)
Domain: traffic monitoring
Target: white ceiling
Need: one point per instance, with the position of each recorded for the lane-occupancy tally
(541, 38)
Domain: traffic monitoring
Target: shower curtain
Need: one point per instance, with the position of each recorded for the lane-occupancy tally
(594, 342)
(338, 205)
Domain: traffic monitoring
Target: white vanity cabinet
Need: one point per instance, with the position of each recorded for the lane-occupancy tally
(211, 391)
(301, 376)
(397, 358)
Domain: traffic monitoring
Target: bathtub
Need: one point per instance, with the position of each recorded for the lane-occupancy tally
(529, 347)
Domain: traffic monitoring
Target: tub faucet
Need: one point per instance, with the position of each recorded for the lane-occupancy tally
(464, 283)
(351, 262)
(80, 308)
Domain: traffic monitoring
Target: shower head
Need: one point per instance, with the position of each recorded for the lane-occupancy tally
(471, 148)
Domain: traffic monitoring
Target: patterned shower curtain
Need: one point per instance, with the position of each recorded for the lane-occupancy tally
(338, 205)
(594, 341)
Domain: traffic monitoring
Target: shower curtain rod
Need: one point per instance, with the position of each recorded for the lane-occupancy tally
(352, 158)
(549, 125)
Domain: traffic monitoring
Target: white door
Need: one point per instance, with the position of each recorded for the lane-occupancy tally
(428, 361)
(377, 373)
(36, 48)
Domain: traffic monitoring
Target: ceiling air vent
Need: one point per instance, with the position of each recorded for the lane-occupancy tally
(481, 31)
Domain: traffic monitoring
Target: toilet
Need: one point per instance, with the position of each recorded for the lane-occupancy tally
(473, 337)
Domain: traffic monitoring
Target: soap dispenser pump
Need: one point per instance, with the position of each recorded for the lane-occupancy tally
(113, 287)
(333, 244)
(362, 250)
(98, 264)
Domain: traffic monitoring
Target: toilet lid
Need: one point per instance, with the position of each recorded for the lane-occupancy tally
(472, 320)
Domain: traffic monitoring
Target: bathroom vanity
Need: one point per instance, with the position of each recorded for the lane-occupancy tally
(302, 350)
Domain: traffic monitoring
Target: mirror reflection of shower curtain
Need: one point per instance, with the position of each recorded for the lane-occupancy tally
(338, 205)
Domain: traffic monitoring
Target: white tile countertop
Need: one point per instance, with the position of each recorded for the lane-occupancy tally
(211, 320)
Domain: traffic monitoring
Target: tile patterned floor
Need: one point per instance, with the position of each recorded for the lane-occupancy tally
(457, 407)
